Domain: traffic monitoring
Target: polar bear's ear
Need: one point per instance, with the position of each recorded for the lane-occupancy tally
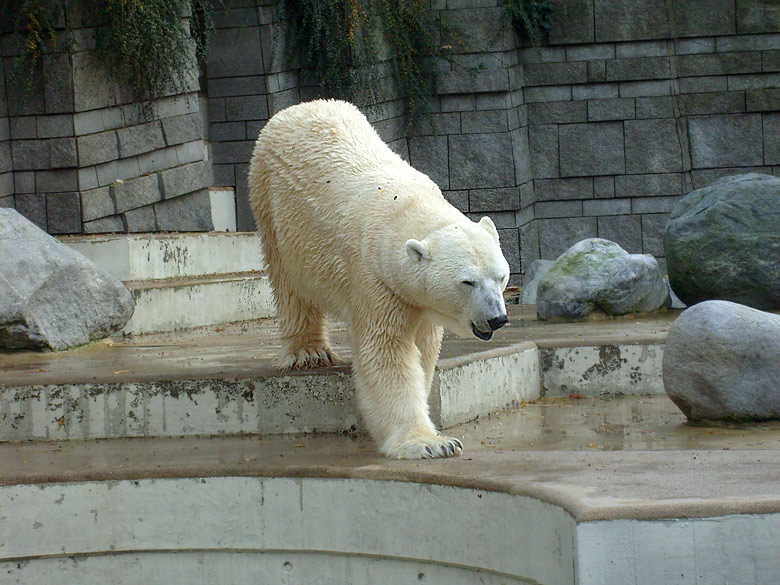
(489, 226)
(417, 250)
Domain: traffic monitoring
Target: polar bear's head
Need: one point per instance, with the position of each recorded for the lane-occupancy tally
(462, 275)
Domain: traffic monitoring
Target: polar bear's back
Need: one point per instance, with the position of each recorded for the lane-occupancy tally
(321, 183)
(329, 135)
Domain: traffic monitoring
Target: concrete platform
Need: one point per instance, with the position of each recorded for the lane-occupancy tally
(184, 280)
(221, 380)
(597, 482)
(183, 303)
(563, 491)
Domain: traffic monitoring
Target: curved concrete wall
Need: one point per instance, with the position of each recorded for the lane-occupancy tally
(307, 531)
(279, 530)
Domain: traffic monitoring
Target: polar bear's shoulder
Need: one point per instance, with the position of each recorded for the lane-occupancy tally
(323, 117)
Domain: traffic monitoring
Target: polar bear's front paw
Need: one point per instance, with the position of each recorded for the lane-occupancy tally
(424, 447)
(304, 358)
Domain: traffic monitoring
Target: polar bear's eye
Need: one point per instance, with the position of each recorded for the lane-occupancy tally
(468, 282)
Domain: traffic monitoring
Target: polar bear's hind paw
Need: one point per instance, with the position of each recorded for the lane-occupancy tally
(306, 358)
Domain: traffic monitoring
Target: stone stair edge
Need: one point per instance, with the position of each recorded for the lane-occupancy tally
(339, 370)
(153, 236)
(205, 279)
(157, 256)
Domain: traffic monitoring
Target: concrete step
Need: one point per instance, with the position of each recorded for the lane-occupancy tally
(223, 380)
(183, 303)
(180, 281)
(136, 257)
(562, 492)
(138, 403)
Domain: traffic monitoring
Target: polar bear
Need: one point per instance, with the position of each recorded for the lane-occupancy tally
(349, 228)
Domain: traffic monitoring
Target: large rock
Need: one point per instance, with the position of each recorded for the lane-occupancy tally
(50, 296)
(535, 273)
(723, 242)
(598, 274)
(722, 363)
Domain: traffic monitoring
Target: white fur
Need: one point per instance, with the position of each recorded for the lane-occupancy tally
(351, 229)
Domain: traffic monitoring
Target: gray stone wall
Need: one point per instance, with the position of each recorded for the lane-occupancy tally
(634, 103)
(628, 105)
(82, 156)
(245, 87)
(6, 169)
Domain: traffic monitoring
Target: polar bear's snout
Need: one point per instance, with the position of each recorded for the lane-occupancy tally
(493, 320)
(493, 324)
(497, 323)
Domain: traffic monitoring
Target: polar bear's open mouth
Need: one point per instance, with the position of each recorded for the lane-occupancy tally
(486, 336)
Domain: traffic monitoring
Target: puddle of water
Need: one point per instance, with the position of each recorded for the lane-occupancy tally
(628, 423)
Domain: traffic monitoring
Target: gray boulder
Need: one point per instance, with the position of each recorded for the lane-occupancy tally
(722, 363)
(50, 296)
(723, 242)
(534, 274)
(598, 274)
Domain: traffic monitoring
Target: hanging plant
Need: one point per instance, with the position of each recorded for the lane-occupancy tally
(148, 45)
(340, 41)
(35, 35)
(533, 17)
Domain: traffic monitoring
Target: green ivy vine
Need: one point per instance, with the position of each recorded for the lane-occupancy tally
(34, 31)
(354, 46)
(532, 17)
(340, 41)
(146, 45)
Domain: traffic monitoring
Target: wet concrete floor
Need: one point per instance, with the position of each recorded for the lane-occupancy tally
(624, 457)
(249, 349)
(598, 458)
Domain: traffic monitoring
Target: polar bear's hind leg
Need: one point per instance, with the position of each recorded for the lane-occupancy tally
(304, 336)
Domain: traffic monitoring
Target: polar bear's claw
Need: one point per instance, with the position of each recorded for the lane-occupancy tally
(306, 358)
(426, 447)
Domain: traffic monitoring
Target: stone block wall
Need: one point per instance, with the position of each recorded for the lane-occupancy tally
(6, 168)
(85, 159)
(246, 87)
(634, 103)
(474, 140)
(627, 106)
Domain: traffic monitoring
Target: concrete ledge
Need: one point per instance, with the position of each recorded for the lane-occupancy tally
(280, 530)
(330, 507)
(604, 370)
(223, 380)
(174, 304)
(317, 401)
(467, 387)
(267, 405)
(158, 256)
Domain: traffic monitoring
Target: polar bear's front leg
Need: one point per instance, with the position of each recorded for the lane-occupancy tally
(392, 393)
(428, 340)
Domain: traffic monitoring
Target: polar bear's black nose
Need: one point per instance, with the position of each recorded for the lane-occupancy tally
(498, 322)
